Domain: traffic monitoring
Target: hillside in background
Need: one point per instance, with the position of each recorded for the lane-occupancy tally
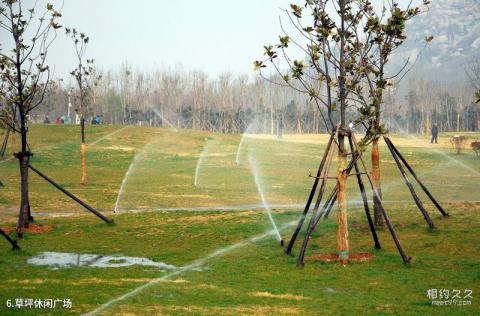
(455, 25)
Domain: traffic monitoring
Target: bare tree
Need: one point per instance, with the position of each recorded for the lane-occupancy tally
(463, 98)
(85, 78)
(125, 84)
(24, 79)
(473, 74)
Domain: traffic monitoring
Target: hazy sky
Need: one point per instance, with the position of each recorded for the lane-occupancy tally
(209, 35)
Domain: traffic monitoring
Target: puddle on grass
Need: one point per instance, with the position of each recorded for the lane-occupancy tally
(58, 260)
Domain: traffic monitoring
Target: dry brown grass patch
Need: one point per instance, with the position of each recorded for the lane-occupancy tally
(286, 296)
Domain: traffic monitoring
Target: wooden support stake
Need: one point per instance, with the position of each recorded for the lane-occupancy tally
(14, 244)
(327, 206)
(424, 188)
(73, 197)
(311, 224)
(364, 197)
(405, 258)
(411, 188)
(310, 198)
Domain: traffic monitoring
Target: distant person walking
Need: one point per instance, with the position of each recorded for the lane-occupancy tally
(280, 128)
(434, 134)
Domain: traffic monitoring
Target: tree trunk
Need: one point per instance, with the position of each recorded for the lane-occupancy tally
(448, 118)
(377, 213)
(458, 121)
(342, 233)
(272, 131)
(428, 125)
(265, 123)
(342, 236)
(24, 215)
(299, 124)
(83, 180)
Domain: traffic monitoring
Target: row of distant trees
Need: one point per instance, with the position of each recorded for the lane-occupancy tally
(233, 104)
(450, 106)
(226, 103)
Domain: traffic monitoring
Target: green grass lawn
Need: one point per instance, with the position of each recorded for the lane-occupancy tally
(222, 267)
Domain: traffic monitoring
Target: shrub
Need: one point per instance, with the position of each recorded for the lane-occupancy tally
(458, 143)
(476, 147)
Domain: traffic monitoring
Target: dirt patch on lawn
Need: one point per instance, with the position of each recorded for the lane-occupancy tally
(119, 148)
(33, 281)
(34, 229)
(333, 257)
(211, 217)
(281, 296)
(361, 227)
(190, 196)
(232, 310)
(122, 281)
(205, 286)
